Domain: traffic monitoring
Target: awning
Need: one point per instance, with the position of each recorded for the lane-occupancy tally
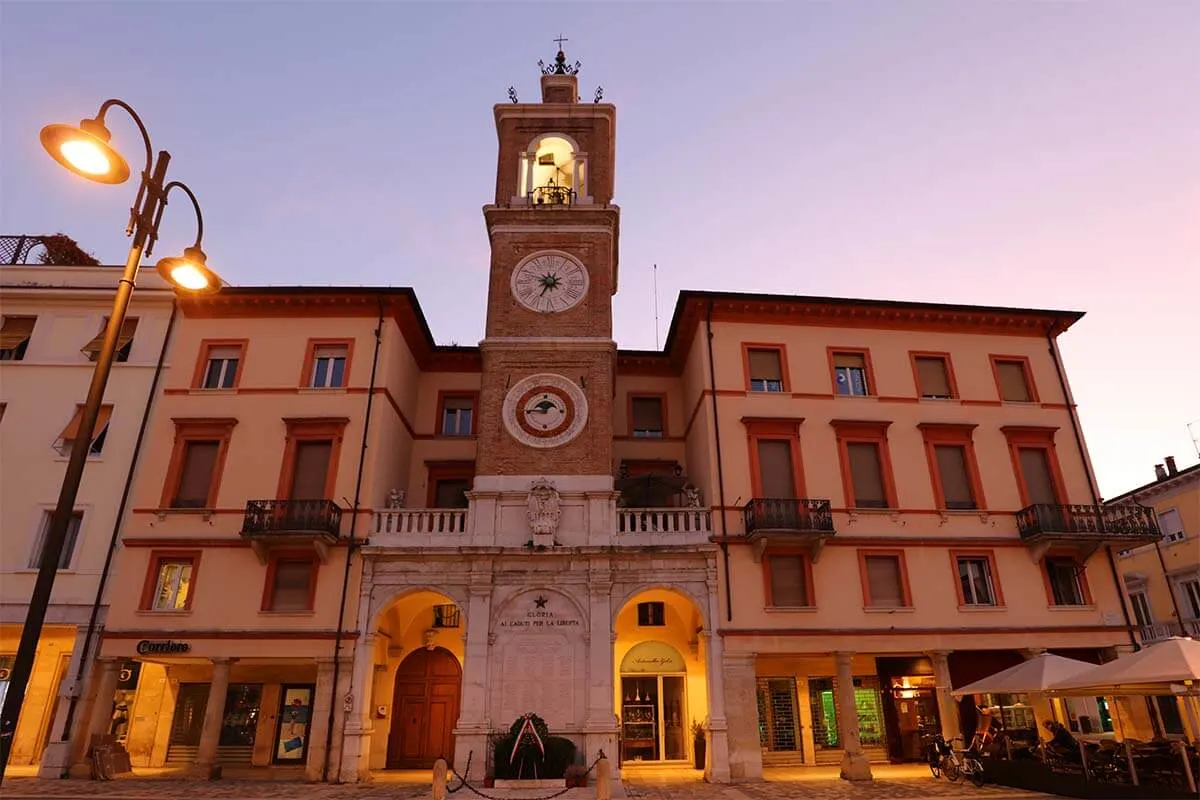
(1154, 669)
(1034, 675)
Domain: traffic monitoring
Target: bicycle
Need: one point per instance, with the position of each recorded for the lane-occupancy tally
(964, 762)
(937, 753)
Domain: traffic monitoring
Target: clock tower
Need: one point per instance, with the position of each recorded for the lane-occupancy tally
(548, 352)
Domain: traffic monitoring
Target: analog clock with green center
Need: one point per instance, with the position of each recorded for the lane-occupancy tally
(549, 282)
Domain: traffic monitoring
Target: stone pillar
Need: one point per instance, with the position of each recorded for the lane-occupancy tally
(600, 723)
(214, 712)
(355, 763)
(470, 734)
(319, 739)
(947, 705)
(1040, 701)
(100, 715)
(56, 758)
(717, 770)
(854, 762)
(744, 750)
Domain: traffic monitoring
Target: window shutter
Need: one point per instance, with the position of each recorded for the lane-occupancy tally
(15, 331)
(884, 582)
(64, 559)
(952, 469)
(128, 329)
(199, 462)
(849, 360)
(1035, 470)
(71, 432)
(1013, 385)
(224, 352)
(293, 584)
(775, 469)
(311, 470)
(931, 373)
(866, 473)
(788, 580)
(765, 366)
(647, 413)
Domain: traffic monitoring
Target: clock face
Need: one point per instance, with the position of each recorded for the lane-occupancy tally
(549, 282)
(544, 410)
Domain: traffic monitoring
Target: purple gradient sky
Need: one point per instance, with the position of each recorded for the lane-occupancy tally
(1018, 153)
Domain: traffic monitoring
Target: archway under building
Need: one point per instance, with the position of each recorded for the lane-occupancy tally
(424, 709)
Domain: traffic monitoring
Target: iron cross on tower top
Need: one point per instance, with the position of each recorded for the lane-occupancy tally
(560, 41)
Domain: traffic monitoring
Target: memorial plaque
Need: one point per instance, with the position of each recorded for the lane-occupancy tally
(541, 660)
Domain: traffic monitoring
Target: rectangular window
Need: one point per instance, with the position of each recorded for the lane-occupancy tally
(14, 337)
(68, 550)
(124, 341)
(446, 615)
(766, 369)
(776, 471)
(221, 367)
(647, 414)
(884, 581)
(310, 470)
(866, 475)
(975, 580)
(196, 475)
(452, 493)
(933, 377)
(954, 475)
(66, 439)
(652, 614)
(172, 588)
(850, 374)
(1066, 586)
(1189, 597)
(329, 366)
(1013, 380)
(1141, 608)
(788, 577)
(1171, 525)
(292, 585)
(1037, 475)
(457, 415)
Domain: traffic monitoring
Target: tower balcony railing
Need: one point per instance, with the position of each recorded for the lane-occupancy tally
(420, 521)
(1118, 524)
(796, 515)
(552, 195)
(272, 518)
(664, 520)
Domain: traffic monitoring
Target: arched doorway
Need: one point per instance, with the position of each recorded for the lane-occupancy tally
(424, 709)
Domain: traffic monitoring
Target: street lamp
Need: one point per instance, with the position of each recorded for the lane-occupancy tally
(85, 150)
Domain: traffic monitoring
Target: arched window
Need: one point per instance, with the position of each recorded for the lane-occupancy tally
(553, 172)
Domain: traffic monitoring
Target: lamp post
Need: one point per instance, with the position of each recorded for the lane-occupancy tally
(85, 151)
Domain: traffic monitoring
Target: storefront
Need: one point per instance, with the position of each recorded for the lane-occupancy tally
(654, 719)
(910, 706)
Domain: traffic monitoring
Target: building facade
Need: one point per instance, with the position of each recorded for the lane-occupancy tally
(53, 319)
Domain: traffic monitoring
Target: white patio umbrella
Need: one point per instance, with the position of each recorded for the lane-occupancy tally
(1149, 671)
(1034, 675)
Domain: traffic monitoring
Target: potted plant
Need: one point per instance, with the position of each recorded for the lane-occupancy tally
(699, 745)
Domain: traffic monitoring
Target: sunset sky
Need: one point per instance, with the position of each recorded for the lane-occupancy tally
(1034, 154)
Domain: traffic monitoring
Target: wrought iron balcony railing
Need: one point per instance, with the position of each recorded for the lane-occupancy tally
(552, 195)
(801, 515)
(280, 517)
(1122, 523)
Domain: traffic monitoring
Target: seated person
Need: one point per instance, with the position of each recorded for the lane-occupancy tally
(1061, 742)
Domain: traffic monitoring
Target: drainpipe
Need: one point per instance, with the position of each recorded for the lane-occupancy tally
(712, 379)
(351, 546)
(116, 533)
(1091, 479)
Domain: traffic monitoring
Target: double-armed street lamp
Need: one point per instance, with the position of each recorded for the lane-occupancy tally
(85, 151)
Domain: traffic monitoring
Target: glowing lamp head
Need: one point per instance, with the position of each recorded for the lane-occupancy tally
(190, 273)
(85, 151)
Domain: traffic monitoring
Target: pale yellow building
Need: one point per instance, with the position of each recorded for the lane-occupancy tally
(51, 319)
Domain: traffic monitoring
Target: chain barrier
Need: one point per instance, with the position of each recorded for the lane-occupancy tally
(465, 784)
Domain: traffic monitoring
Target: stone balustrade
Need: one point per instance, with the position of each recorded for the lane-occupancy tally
(424, 521)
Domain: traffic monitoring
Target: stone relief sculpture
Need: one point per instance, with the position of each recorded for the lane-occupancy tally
(693, 496)
(542, 508)
(396, 498)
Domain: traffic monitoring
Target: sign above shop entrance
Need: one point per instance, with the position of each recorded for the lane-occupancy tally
(162, 647)
(652, 657)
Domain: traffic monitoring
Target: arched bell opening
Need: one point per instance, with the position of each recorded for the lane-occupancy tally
(553, 172)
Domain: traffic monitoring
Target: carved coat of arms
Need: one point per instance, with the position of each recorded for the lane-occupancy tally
(542, 508)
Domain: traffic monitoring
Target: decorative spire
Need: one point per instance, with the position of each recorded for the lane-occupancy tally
(560, 65)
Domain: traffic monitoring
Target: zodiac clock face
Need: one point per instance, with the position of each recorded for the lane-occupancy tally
(549, 282)
(544, 410)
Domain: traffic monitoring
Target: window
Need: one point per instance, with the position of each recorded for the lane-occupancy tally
(955, 480)
(1065, 578)
(1141, 608)
(788, 580)
(933, 376)
(14, 337)
(448, 483)
(66, 439)
(196, 477)
(310, 469)
(221, 366)
(1171, 525)
(1012, 379)
(68, 550)
(1035, 473)
(850, 374)
(652, 614)
(777, 477)
(1038, 476)
(124, 341)
(446, 615)
(328, 365)
(884, 582)
(1189, 597)
(458, 414)
(173, 584)
(866, 466)
(451, 493)
(193, 476)
(646, 415)
(765, 368)
(976, 585)
(290, 584)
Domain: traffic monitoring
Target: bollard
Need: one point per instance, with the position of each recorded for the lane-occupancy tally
(439, 779)
(603, 780)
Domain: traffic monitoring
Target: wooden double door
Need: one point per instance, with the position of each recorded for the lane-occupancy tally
(424, 709)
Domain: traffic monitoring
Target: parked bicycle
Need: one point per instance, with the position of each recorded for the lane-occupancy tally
(937, 753)
(964, 763)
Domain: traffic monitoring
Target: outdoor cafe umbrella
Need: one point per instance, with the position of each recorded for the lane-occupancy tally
(1033, 675)
(1149, 671)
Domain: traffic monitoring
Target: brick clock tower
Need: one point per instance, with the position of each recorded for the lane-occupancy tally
(548, 353)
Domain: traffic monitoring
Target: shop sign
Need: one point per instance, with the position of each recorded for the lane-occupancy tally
(652, 657)
(162, 647)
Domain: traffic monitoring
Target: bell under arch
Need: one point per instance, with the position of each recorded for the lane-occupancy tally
(553, 172)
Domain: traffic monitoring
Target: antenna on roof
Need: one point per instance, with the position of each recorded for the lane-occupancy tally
(655, 274)
(1195, 435)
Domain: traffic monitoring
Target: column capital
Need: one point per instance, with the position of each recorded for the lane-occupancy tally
(108, 662)
(479, 590)
(842, 657)
(1031, 652)
(739, 660)
(223, 661)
